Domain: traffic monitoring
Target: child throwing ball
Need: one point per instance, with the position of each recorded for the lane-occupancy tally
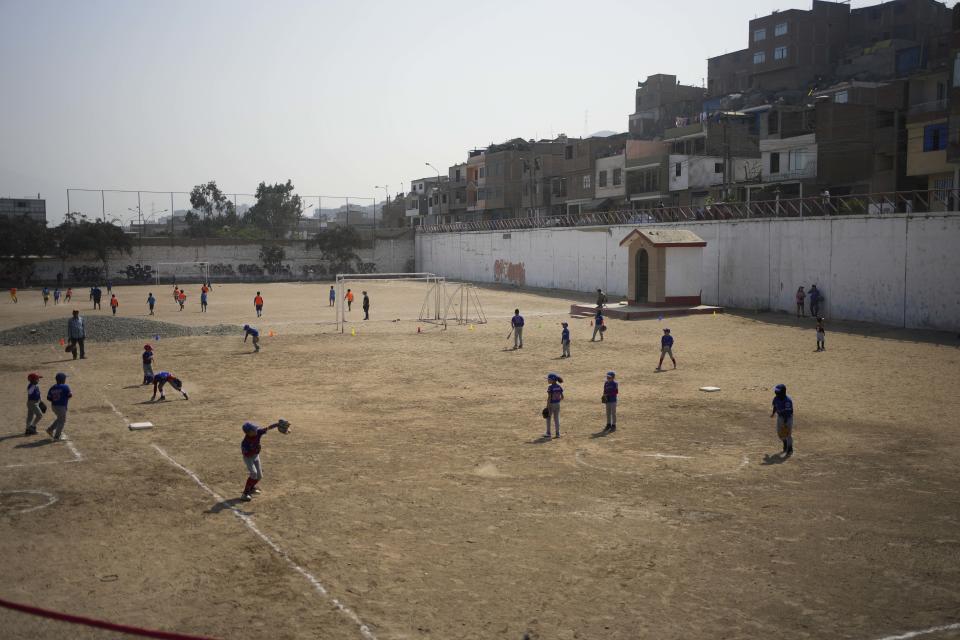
(250, 448)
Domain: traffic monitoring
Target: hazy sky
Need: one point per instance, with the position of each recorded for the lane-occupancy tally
(337, 96)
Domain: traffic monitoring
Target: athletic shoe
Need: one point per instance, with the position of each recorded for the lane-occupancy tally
(30, 432)
(256, 490)
(556, 436)
(50, 432)
(613, 428)
(547, 436)
(246, 497)
(186, 397)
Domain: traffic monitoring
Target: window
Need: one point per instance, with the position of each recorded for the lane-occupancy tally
(780, 53)
(602, 179)
(586, 181)
(773, 122)
(481, 194)
(483, 172)
(568, 152)
(617, 177)
(718, 167)
(935, 137)
(841, 97)
(956, 72)
(678, 169)
(559, 187)
(774, 163)
(780, 29)
(759, 57)
(457, 176)
(759, 34)
(443, 198)
(797, 160)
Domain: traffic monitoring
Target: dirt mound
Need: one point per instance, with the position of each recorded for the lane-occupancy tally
(107, 329)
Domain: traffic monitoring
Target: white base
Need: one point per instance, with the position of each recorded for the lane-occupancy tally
(709, 389)
(137, 426)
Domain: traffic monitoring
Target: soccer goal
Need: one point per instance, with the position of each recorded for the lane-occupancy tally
(433, 306)
(174, 272)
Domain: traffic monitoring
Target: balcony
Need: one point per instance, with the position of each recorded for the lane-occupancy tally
(932, 106)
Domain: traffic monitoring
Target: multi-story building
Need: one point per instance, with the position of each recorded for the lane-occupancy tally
(574, 189)
(610, 179)
(35, 209)
(953, 122)
(647, 181)
(545, 162)
(927, 136)
(476, 184)
(417, 200)
(660, 101)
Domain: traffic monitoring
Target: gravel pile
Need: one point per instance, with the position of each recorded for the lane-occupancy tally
(108, 329)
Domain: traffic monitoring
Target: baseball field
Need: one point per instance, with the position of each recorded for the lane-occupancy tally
(414, 497)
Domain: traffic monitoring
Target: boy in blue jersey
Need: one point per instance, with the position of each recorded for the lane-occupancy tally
(554, 397)
(666, 349)
(250, 448)
(611, 391)
(161, 379)
(46, 295)
(151, 301)
(252, 332)
(333, 297)
(59, 396)
(783, 409)
(203, 301)
(56, 296)
(34, 412)
(516, 326)
(147, 358)
(598, 325)
(565, 340)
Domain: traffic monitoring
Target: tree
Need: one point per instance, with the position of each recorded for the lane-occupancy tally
(22, 240)
(272, 256)
(77, 236)
(218, 212)
(278, 209)
(339, 246)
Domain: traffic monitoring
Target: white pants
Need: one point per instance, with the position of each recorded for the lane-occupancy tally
(517, 337)
(253, 466)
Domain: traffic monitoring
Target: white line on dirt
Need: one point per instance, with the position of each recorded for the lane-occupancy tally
(50, 499)
(923, 632)
(77, 457)
(248, 521)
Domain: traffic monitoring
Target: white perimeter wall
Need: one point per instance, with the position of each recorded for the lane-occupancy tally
(895, 270)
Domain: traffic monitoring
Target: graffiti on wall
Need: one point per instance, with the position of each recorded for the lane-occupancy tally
(512, 272)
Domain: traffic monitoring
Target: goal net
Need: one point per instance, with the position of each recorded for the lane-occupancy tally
(423, 296)
(182, 272)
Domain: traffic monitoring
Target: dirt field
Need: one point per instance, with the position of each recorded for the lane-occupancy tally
(415, 491)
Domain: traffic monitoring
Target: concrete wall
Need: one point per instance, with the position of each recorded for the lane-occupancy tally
(895, 270)
(390, 252)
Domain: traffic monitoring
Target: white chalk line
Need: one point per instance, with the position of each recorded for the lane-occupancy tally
(50, 499)
(924, 632)
(579, 459)
(77, 457)
(248, 521)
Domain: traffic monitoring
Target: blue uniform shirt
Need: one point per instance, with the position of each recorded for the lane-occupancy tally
(252, 332)
(666, 340)
(555, 392)
(151, 300)
(333, 294)
(517, 321)
(611, 389)
(565, 335)
(33, 392)
(163, 376)
(783, 406)
(59, 395)
(250, 445)
(148, 357)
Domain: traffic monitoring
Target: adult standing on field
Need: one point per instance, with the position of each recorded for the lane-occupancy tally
(801, 296)
(516, 326)
(366, 306)
(816, 297)
(97, 294)
(76, 332)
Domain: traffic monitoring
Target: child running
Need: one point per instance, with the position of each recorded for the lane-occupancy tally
(59, 396)
(147, 358)
(56, 296)
(114, 303)
(161, 379)
(598, 325)
(666, 349)
(611, 390)
(34, 411)
(554, 396)
(69, 295)
(151, 301)
(258, 304)
(783, 409)
(46, 295)
(821, 335)
(182, 298)
(13, 295)
(565, 340)
(250, 448)
(252, 332)
(349, 299)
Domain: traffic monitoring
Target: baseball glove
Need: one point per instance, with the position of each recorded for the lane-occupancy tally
(603, 399)
(283, 426)
(603, 328)
(43, 407)
(545, 413)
